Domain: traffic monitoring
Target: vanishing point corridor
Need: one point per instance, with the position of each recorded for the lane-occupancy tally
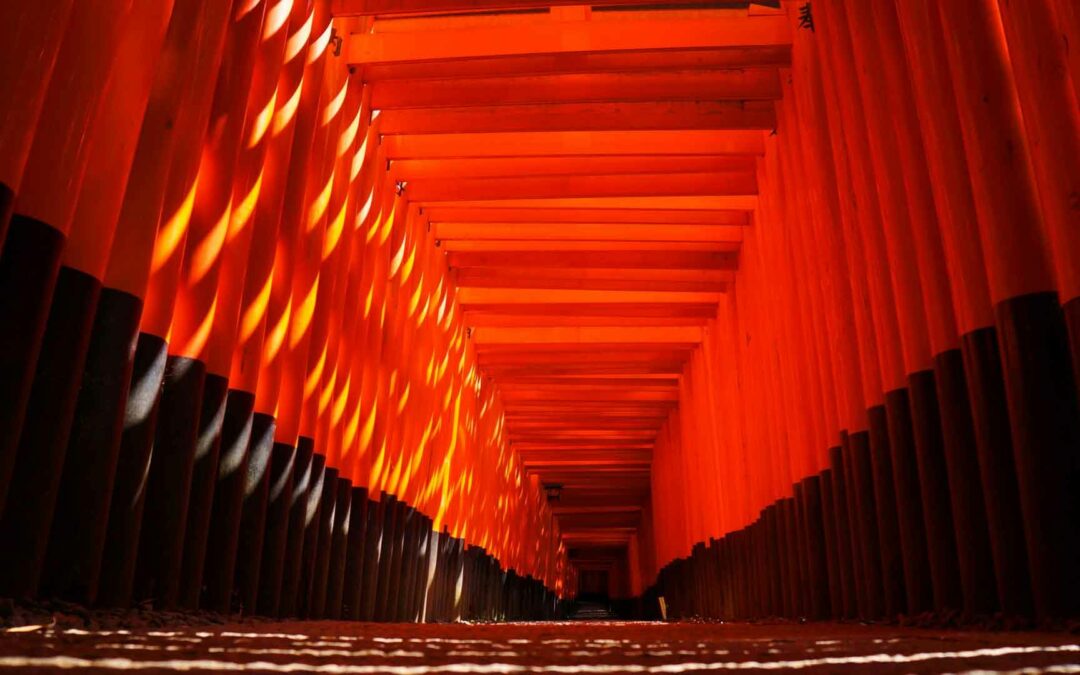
(568, 336)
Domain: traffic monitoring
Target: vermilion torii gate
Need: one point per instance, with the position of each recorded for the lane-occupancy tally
(410, 310)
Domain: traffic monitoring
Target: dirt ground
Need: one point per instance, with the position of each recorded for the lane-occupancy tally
(570, 647)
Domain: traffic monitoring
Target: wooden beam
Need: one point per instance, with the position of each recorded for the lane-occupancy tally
(564, 143)
(451, 214)
(595, 357)
(585, 165)
(493, 276)
(471, 245)
(540, 187)
(661, 116)
(582, 62)
(502, 278)
(597, 260)
(662, 85)
(473, 296)
(742, 202)
(513, 319)
(673, 366)
(397, 7)
(585, 446)
(566, 37)
(596, 381)
(547, 308)
(519, 336)
(596, 232)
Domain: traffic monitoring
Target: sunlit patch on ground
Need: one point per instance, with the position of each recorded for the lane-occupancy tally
(566, 648)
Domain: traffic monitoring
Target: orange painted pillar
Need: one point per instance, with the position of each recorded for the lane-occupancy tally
(217, 480)
(51, 407)
(52, 174)
(160, 191)
(836, 49)
(33, 33)
(267, 305)
(121, 261)
(235, 345)
(1031, 329)
(856, 362)
(179, 308)
(1044, 67)
(928, 409)
(974, 418)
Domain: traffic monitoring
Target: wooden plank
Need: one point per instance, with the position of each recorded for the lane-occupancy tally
(519, 336)
(541, 187)
(658, 380)
(742, 202)
(637, 116)
(672, 366)
(581, 62)
(495, 275)
(397, 7)
(585, 165)
(596, 232)
(510, 319)
(587, 245)
(644, 309)
(564, 143)
(471, 296)
(443, 214)
(561, 37)
(593, 284)
(657, 85)
(597, 259)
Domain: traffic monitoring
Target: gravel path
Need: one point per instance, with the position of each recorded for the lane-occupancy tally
(581, 647)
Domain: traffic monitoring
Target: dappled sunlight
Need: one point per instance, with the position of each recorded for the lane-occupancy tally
(173, 232)
(197, 342)
(275, 338)
(207, 251)
(319, 205)
(252, 317)
(275, 19)
(262, 122)
(287, 111)
(301, 319)
(298, 39)
(243, 213)
(319, 45)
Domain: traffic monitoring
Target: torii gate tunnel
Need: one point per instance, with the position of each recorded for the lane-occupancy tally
(424, 310)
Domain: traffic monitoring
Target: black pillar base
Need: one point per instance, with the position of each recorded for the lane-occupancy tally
(29, 264)
(888, 521)
(253, 513)
(335, 582)
(997, 467)
(862, 477)
(136, 441)
(974, 554)
(1043, 409)
(298, 508)
(276, 529)
(25, 524)
(934, 487)
(220, 561)
(352, 583)
(204, 477)
(316, 606)
(917, 580)
(77, 536)
(312, 525)
(168, 484)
